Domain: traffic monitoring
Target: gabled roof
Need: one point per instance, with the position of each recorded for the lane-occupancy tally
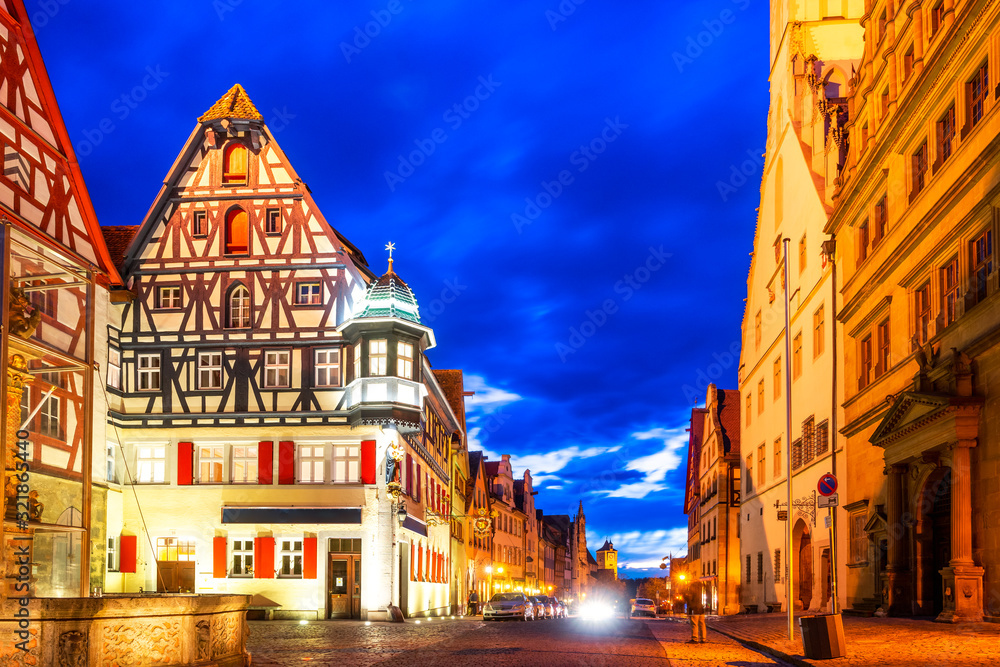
(453, 386)
(695, 433)
(475, 458)
(607, 547)
(234, 104)
(729, 419)
(47, 122)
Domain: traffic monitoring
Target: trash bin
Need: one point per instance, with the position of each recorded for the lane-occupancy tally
(823, 636)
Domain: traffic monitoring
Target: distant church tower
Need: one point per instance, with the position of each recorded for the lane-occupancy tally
(607, 560)
(578, 545)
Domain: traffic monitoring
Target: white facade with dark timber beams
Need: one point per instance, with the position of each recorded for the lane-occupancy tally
(262, 405)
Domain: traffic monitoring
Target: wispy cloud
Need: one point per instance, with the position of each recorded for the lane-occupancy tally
(488, 399)
(654, 467)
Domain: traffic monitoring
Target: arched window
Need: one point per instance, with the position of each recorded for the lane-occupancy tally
(234, 165)
(238, 306)
(237, 232)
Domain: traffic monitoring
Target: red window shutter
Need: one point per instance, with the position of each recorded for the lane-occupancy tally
(265, 463)
(126, 553)
(417, 497)
(420, 563)
(219, 557)
(367, 461)
(263, 558)
(309, 558)
(185, 462)
(286, 463)
(413, 561)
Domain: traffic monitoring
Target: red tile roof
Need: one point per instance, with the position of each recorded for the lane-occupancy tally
(234, 104)
(452, 384)
(729, 417)
(118, 240)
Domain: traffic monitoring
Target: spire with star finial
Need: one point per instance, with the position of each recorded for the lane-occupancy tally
(390, 246)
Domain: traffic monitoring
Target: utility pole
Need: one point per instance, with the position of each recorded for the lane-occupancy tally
(789, 579)
(830, 249)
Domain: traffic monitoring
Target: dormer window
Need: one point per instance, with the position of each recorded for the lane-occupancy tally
(234, 165)
(237, 232)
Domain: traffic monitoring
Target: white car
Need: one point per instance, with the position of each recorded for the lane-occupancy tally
(643, 607)
(509, 605)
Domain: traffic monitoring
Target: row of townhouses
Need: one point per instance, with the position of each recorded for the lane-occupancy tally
(880, 192)
(226, 398)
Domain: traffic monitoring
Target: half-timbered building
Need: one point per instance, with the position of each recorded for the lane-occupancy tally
(57, 272)
(282, 429)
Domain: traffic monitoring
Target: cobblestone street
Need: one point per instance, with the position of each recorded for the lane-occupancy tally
(887, 642)
(473, 642)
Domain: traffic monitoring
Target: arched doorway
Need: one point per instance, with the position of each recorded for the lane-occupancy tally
(802, 543)
(933, 537)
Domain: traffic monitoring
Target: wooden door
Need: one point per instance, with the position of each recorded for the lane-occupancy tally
(344, 586)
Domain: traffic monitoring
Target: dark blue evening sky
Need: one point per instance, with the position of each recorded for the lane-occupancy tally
(563, 228)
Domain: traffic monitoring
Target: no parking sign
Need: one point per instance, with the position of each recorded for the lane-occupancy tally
(827, 485)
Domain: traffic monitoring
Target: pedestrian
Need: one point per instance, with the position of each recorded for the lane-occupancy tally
(473, 603)
(695, 611)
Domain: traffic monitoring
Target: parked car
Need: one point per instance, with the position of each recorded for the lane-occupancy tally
(558, 607)
(643, 607)
(543, 608)
(509, 605)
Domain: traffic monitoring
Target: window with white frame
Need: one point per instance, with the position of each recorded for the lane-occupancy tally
(239, 308)
(291, 558)
(110, 463)
(378, 356)
(308, 293)
(49, 417)
(245, 464)
(211, 460)
(209, 370)
(149, 372)
(242, 558)
(311, 464)
(328, 368)
(114, 368)
(151, 465)
(346, 463)
(168, 296)
(276, 368)
(112, 554)
(404, 360)
(357, 360)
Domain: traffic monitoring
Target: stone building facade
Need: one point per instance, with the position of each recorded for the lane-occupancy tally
(815, 47)
(916, 224)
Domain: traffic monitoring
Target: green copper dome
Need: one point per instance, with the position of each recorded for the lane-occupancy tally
(389, 296)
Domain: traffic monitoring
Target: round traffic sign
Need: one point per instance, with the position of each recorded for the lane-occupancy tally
(827, 485)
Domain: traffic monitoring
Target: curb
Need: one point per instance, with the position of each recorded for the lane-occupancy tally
(765, 649)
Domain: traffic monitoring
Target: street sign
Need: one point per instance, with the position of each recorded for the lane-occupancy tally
(782, 515)
(827, 485)
(828, 501)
